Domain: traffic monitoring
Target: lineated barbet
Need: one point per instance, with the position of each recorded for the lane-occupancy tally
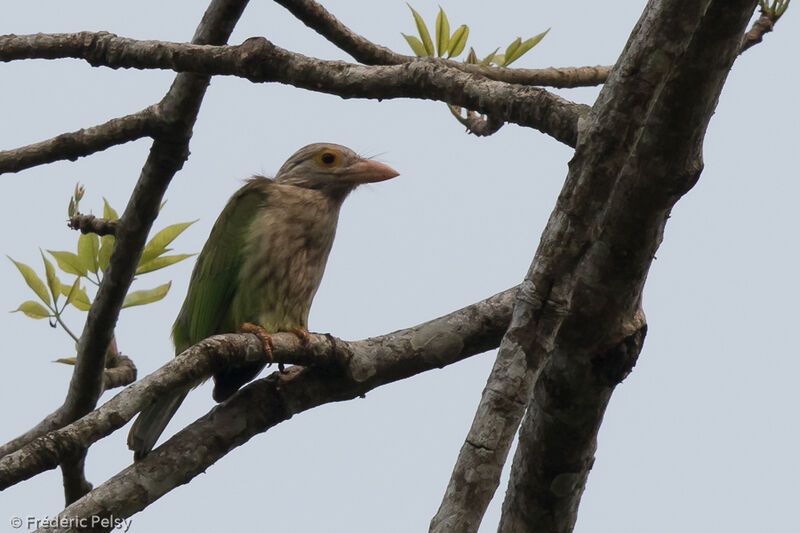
(262, 264)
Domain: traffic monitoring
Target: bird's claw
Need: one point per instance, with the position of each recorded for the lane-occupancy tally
(263, 336)
(302, 334)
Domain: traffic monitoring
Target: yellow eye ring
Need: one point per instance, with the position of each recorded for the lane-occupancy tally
(327, 158)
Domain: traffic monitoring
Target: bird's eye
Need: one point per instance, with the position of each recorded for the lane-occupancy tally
(327, 158)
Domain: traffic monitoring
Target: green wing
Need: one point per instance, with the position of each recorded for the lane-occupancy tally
(216, 274)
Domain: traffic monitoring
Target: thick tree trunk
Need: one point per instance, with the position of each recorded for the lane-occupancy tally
(638, 152)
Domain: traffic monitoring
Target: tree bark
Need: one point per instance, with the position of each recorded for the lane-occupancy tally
(640, 151)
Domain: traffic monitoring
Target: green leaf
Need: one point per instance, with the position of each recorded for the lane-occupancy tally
(69, 262)
(158, 244)
(33, 309)
(415, 44)
(458, 41)
(33, 281)
(76, 295)
(52, 280)
(423, 32)
(161, 262)
(146, 296)
(88, 246)
(524, 47)
(488, 59)
(442, 32)
(511, 50)
(106, 245)
(471, 57)
(108, 211)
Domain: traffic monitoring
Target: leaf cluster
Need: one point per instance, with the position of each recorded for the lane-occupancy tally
(87, 264)
(453, 44)
(774, 9)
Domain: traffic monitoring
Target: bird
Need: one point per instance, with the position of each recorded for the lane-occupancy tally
(261, 265)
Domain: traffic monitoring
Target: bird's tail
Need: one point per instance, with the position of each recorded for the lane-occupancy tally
(151, 423)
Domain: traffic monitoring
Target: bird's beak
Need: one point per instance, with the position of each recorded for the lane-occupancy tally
(369, 171)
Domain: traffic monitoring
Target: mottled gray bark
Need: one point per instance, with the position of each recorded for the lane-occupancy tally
(259, 60)
(358, 366)
(639, 151)
(342, 371)
(578, 326)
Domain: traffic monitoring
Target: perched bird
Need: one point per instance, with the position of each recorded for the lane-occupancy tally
(262, 264)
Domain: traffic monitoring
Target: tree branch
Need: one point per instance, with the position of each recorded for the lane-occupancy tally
(92, 224)
(258, 60)
(316, 17)
(169, 151)
(764, 24)
(642, 145)
(84, 142)
(322, 21)
(75, 483)
(476, 473)
(479, 125)
(196, 363)
(344, 370)
(81, 143)
(178, 112)
(119, 372)
(577, 326)
(179, 109)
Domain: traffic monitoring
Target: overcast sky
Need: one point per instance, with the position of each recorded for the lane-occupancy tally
(700, 437)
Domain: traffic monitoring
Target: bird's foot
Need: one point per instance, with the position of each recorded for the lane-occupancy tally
(302, 334)
(264, 337)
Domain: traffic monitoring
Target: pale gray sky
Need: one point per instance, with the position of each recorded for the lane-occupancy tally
(701, 437)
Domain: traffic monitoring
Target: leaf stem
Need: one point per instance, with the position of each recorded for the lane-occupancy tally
(63, 325)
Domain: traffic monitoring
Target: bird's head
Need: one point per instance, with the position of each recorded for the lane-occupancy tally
(331, 168)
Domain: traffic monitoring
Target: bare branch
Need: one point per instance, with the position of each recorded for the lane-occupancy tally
(319, 19)
(119, 372)
(479, 125)
(92, 224)
(258, 60)
(75, 483)
(480, 461)
(351, 367)
(81, 143)
(557, 77)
